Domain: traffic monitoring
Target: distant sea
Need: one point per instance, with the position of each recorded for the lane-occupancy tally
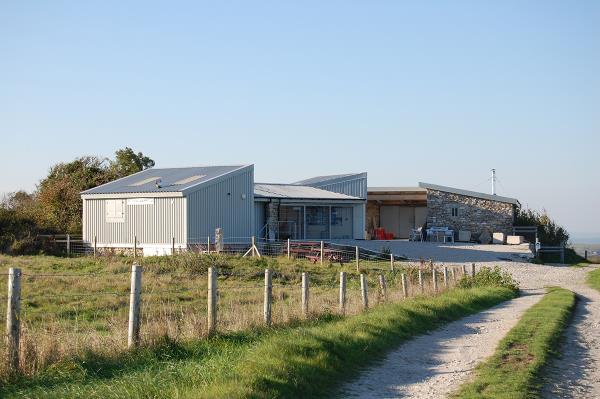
(584, 238)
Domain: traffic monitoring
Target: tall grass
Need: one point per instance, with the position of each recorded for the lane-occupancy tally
(73, 307)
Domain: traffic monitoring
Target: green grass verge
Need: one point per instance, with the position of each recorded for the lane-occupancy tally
(310, 359)
(514, 369)
(593, 279)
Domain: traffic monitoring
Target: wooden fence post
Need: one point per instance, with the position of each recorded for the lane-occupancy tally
(404, 286)
(268, 297)
(305, 293)
(392, 262)
(434, 279)
(135, 246)
(562, 254)
(472, 269)
(212, 300)
(364, 291)
(357, 260)
(453, 273)
(173, 246)
(321, 253)
(133, 336)
(343, 293)
(464, 270)
(383, 287)
(95, 246)
(68, 244)
(288, 248)
(421, 285)
(13, 319)
(446, 277)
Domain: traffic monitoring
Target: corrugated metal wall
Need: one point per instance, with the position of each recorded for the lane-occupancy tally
(228, 204)
(155, 223)
(355, 185)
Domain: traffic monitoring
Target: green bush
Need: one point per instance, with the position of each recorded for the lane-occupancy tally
(549, 232)
(487, 277)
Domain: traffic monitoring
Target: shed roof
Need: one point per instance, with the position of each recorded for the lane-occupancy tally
(319, 180)
(396, 190)
(295, 191)
(169, 180)
(468, 193)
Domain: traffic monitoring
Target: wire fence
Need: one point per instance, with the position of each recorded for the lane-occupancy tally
(62, 315)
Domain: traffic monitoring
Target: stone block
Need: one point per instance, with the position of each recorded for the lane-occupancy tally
(515, 240)
(485, 237)
(464, 235)
(499, 238)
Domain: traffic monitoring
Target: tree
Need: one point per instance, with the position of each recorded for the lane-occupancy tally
(128, 162)
(58, 195)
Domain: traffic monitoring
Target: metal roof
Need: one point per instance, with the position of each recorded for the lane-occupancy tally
(468, 193)
(395, 189)
(169, 180)
(326, 179)
(295, 191)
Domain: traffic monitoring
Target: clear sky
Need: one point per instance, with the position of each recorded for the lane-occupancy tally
(432, 91)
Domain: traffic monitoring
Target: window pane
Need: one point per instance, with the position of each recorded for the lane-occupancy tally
(317, 222)
(291, 222)
(341, 222)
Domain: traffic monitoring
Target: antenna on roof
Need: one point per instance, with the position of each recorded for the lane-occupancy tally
(493, 181)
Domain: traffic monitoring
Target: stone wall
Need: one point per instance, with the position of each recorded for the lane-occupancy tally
(474, 214)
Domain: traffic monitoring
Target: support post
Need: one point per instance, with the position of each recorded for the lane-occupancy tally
(472, 269)
(434, 279)
(133, 336)
(392, 263)
(305, 284)
(95, 246)
(321, 253)
(288, 248)
(364, 291)
(421, 283)
(68, 244)
(586, 255)
(383, 287)
(404, 286)
(343, 293)
(268, 297)
(446, 277)
(212, 300)
(135, 246)
(173, 246)
(464, 270)
(208, 245)
(453, 273)
(357, 254)
(13, 319)
(562, 254)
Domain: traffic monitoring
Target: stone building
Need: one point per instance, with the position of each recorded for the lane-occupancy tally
(469, 210)
(398, 210)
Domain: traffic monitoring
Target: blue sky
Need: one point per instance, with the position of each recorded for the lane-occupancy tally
(408, 91)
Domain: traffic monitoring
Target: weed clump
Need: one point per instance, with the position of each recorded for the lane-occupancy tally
(488, 277)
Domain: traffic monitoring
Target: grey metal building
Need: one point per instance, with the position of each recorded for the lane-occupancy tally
(156, 206)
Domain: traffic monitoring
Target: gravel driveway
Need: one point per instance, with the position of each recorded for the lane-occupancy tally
(434, 365)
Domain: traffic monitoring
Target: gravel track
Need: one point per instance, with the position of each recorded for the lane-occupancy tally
(432, 366)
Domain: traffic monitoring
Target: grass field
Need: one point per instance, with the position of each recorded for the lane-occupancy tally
(513, 371)
(302, 359)
(593, 279)
(74, 306)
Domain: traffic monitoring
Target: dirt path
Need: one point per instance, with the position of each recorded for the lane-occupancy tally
(433, 365)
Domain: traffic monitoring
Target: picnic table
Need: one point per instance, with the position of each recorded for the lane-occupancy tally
(313, 253)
